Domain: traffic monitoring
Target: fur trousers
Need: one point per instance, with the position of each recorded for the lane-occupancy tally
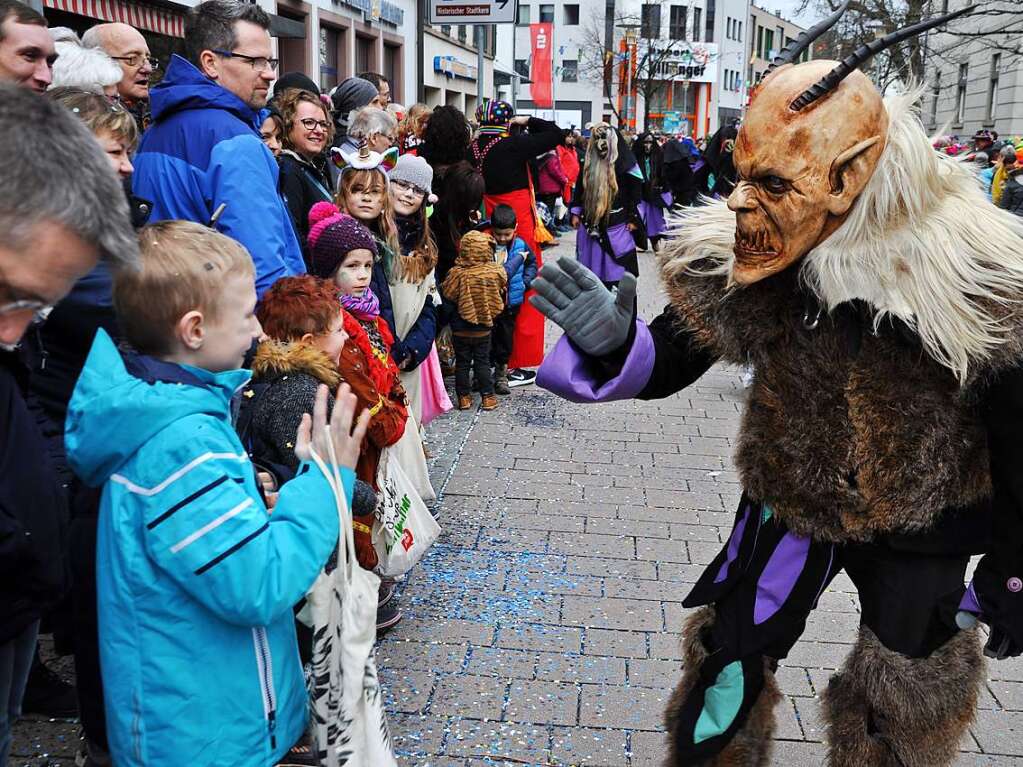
(884, 709)
(751, 745)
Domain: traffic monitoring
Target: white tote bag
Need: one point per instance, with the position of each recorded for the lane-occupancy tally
(347, 707)
(404, 529)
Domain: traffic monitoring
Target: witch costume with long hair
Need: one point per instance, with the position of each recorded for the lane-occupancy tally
(878, 296)
(605, 206)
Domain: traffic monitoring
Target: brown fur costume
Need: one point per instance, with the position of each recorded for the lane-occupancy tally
(751, 746)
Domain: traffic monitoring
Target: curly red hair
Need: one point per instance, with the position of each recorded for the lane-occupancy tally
(295, 306)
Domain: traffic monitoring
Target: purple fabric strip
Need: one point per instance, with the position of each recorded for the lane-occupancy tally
(567, 371)
(733, 546)
(653, 217)
(590, 254)
(969, 603)
(622, 242)
(668, 199)
(780, 576)
(575, 210)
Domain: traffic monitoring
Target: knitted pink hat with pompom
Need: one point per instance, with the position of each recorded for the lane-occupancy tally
(332, 236)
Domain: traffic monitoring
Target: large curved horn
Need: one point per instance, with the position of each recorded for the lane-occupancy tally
(864, 53)
(794, 50)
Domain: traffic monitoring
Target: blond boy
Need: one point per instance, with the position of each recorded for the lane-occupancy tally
(196, 580)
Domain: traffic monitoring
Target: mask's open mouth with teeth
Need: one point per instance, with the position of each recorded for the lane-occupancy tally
(753, 246)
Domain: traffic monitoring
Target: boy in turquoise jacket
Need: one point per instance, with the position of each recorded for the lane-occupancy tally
(196, 578)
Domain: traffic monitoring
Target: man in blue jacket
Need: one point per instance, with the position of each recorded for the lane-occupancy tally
(204, 149)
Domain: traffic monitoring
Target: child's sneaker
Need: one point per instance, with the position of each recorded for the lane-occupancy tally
(520, 377)
(489, 402)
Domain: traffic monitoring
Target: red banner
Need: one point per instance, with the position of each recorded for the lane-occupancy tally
(540, 37)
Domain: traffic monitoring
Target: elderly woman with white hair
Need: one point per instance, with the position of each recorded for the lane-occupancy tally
(376, 127)
(89, 69)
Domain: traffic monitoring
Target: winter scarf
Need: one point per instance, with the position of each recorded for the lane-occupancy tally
(374, 339)
(476, 283)
(412, 265)
(364, 307)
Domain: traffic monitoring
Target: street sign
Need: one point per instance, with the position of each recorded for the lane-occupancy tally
(463, 12)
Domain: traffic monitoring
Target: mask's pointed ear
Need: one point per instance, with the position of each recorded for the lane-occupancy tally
(850, 173)
(389, 160)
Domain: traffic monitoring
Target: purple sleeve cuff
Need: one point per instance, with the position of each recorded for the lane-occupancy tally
(573, 375)
(575, 210)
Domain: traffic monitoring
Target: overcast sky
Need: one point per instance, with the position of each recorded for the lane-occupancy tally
(788, 10)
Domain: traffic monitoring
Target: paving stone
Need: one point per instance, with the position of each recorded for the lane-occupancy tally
(811, 718)
(648, 748)
(622, 644)
(659, 674)
(500, 662)
(633, 708)
(491, 740)
(418, 735)
(540, 637)
(394, 653)
(555, 583)
(583, 669)
(612, 613)
(590, 746)
(543, 702)
(611, 567)
(663, 549)
(405, 691)
(453, 693)
(593, 544)
(1008, 694)
(999, 732)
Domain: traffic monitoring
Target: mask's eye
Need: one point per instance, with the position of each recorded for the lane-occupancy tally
(774, 184)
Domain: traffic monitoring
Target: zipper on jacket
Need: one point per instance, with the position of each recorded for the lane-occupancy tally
(265, 667)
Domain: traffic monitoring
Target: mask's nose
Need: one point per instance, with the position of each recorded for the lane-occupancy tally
(742, 197)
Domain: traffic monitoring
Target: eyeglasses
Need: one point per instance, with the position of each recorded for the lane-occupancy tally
(135, 60)
(39, 310)
(404, 186)
(311, 123)
(259, 63)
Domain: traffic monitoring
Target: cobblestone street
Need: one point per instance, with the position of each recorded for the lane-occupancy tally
(542, 628)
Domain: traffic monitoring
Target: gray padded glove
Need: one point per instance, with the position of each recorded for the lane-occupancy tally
(596, 319)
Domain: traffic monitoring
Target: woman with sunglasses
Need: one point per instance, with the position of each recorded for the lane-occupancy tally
(308, 130)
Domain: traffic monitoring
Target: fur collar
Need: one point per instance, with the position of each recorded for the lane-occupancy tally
(276, 359)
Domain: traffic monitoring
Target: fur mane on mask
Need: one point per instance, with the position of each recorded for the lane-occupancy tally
(921, 243)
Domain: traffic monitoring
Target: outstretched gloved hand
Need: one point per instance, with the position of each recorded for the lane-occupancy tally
(593, 317)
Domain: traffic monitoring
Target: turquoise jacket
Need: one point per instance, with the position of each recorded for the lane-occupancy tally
(196, 581)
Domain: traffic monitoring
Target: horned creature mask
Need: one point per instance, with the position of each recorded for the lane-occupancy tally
(811, 140)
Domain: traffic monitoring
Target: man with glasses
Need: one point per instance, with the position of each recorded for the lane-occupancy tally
(203, 149)
(126, 45)
(55, 226)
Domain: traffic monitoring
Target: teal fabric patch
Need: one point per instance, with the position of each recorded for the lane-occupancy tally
(720, 703)
(767, 513)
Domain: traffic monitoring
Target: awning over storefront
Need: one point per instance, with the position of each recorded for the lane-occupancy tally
(140, 15)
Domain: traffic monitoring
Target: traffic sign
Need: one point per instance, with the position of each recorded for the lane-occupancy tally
(466, 12)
